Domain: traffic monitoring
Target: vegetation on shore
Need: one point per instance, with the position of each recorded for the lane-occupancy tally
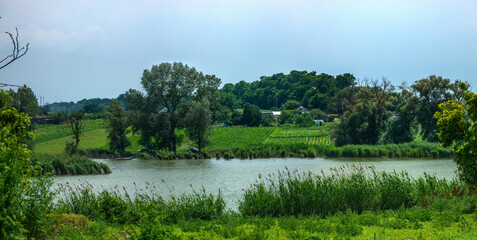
(247, 142)
(358, 203)
(63, 164)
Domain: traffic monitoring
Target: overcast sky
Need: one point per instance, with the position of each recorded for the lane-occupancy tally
(90, 48)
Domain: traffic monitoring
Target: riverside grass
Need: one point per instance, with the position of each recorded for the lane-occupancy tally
(427, 208)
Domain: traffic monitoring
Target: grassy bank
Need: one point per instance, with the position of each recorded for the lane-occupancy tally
(356, 205)
(62, 164)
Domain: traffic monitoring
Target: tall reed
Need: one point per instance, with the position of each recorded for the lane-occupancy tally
(349, 188)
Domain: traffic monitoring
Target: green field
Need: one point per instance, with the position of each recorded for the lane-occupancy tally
(51, 138)
(243, 142)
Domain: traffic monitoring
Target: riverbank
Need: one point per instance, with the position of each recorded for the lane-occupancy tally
(400, 207)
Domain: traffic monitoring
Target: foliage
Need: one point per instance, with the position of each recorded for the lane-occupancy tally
(24, 100)
(61, 164)
(76, 123)
(198, 121)
(290, 105)
(457, 128)
(251, 116)
(309, 89)
(117, 125)
(25, 199)
(364, 122)
(168, 86)
(317, 114)
(14, 166)
(37, 203)
(430, 92)
(93, 108)
(304, 120)
(93, 105)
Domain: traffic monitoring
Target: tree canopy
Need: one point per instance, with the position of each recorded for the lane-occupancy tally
(167, 86)
(457, 122)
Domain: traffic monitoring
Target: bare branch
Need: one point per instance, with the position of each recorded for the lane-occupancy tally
(17, 51)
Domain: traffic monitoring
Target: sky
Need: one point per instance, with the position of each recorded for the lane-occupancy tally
(99, 49)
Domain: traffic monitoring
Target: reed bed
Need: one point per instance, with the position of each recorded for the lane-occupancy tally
(119, 206)
(348, 188)
(63, 164)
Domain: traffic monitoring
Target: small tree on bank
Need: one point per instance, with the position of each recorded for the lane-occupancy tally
(117, 124)
(77, 123)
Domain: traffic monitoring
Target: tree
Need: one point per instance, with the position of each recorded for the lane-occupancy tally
(24, 100)
(92, 108)
(17, 51)
(77, 123)
(291, 105)
(198, 123)
(117, 124)
(457, 122)
(286, 116)
(364, 122)
(430, 92)
(252, 116)
(167, 88)
(304, 120)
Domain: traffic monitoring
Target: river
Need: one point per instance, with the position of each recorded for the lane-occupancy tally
(232, 176)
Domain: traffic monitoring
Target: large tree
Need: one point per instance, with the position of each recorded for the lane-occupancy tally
(365, 121)
(117, 124)
(430, 92)
(457, 122)
(24, 100)
(167, 87)
(252, 116)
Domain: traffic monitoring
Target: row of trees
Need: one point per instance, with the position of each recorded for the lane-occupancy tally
(369, 118)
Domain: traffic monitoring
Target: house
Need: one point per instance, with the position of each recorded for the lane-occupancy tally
(276, 114)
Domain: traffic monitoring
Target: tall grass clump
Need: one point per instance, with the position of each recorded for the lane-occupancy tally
(118, 206)
(348, 188)
(63, 164)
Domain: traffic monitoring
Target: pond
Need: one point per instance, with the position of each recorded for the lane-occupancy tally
(232, 176)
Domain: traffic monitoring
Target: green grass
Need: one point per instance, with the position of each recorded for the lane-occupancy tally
(91, 139)
(47, 132)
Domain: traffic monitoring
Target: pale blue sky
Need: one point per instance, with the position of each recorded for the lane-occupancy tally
(91, 48)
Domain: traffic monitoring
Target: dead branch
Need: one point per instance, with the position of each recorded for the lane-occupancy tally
(17, 51)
